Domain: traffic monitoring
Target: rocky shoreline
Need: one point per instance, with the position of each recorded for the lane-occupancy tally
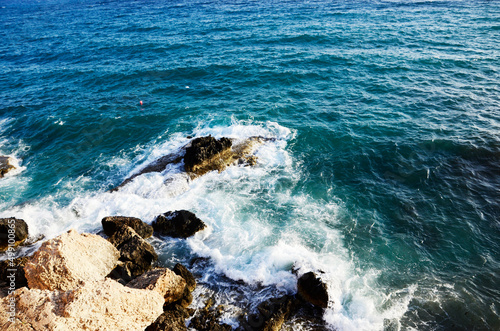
(77, 281)
(112, 281)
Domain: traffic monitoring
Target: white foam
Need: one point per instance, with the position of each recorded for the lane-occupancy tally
(257, 228)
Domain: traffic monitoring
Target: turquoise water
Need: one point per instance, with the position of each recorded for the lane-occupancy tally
(385, 174)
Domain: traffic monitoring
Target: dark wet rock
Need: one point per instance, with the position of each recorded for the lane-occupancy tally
(12, 271)
(313, 290)
(200, 155)
(111, 223)
(182, 271)
(172, 319)
(207, 319)
(271, 314)
(177, 224)
(132, 249)
(5, 165)
(16, 228)
(205, 154)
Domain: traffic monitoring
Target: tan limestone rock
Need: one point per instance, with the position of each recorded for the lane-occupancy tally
(95, 305)
(65, 262)
(163, 281)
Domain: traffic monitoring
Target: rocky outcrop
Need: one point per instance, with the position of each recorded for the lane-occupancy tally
(136, 254)
(94, 305)
(67, 261)
(163, 281)
(6, 165)
(13, 232)
(313, 290)
(177, 224)
(205, 154)
(111, 224)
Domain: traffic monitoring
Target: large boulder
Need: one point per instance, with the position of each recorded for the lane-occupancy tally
(202, 155)
(162, 280)
(67, 261)
(95, 305)
(178, 224)
(313, 290)
(13, 232)
(111, 224)
(136, 253)
(6, 165)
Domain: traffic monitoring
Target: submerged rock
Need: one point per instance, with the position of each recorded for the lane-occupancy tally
(111, 224)
(271, 314)
(207, 319)
(313, 290)
(67, 261)
(95, 305)
(178, 224)
(6, 165)
(136, 253)
(17, 229)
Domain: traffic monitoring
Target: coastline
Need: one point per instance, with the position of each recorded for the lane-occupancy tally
(130, 261)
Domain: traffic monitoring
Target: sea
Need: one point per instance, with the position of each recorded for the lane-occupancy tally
(382, 174)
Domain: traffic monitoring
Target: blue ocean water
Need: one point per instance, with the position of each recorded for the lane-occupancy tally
(385, 173)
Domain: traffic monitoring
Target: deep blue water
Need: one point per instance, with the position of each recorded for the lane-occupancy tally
(385, 174)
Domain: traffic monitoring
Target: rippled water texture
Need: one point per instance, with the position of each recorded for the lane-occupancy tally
(385, 171)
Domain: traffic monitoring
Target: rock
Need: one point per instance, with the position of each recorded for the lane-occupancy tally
(95, 305)
(203, 154)
(13, 232)
(134, 249)
(12, 272)
(271, 314)
(6, 165)
(171, 320)
(313, 290)
(65, 262)
(157, 166)
(207, 319)
(186, 298)
(111, 223)
(163, 281)
(182, 271)
(124, 272)
(178, 224)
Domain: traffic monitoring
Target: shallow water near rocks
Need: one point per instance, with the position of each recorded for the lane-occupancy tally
(384, 173)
